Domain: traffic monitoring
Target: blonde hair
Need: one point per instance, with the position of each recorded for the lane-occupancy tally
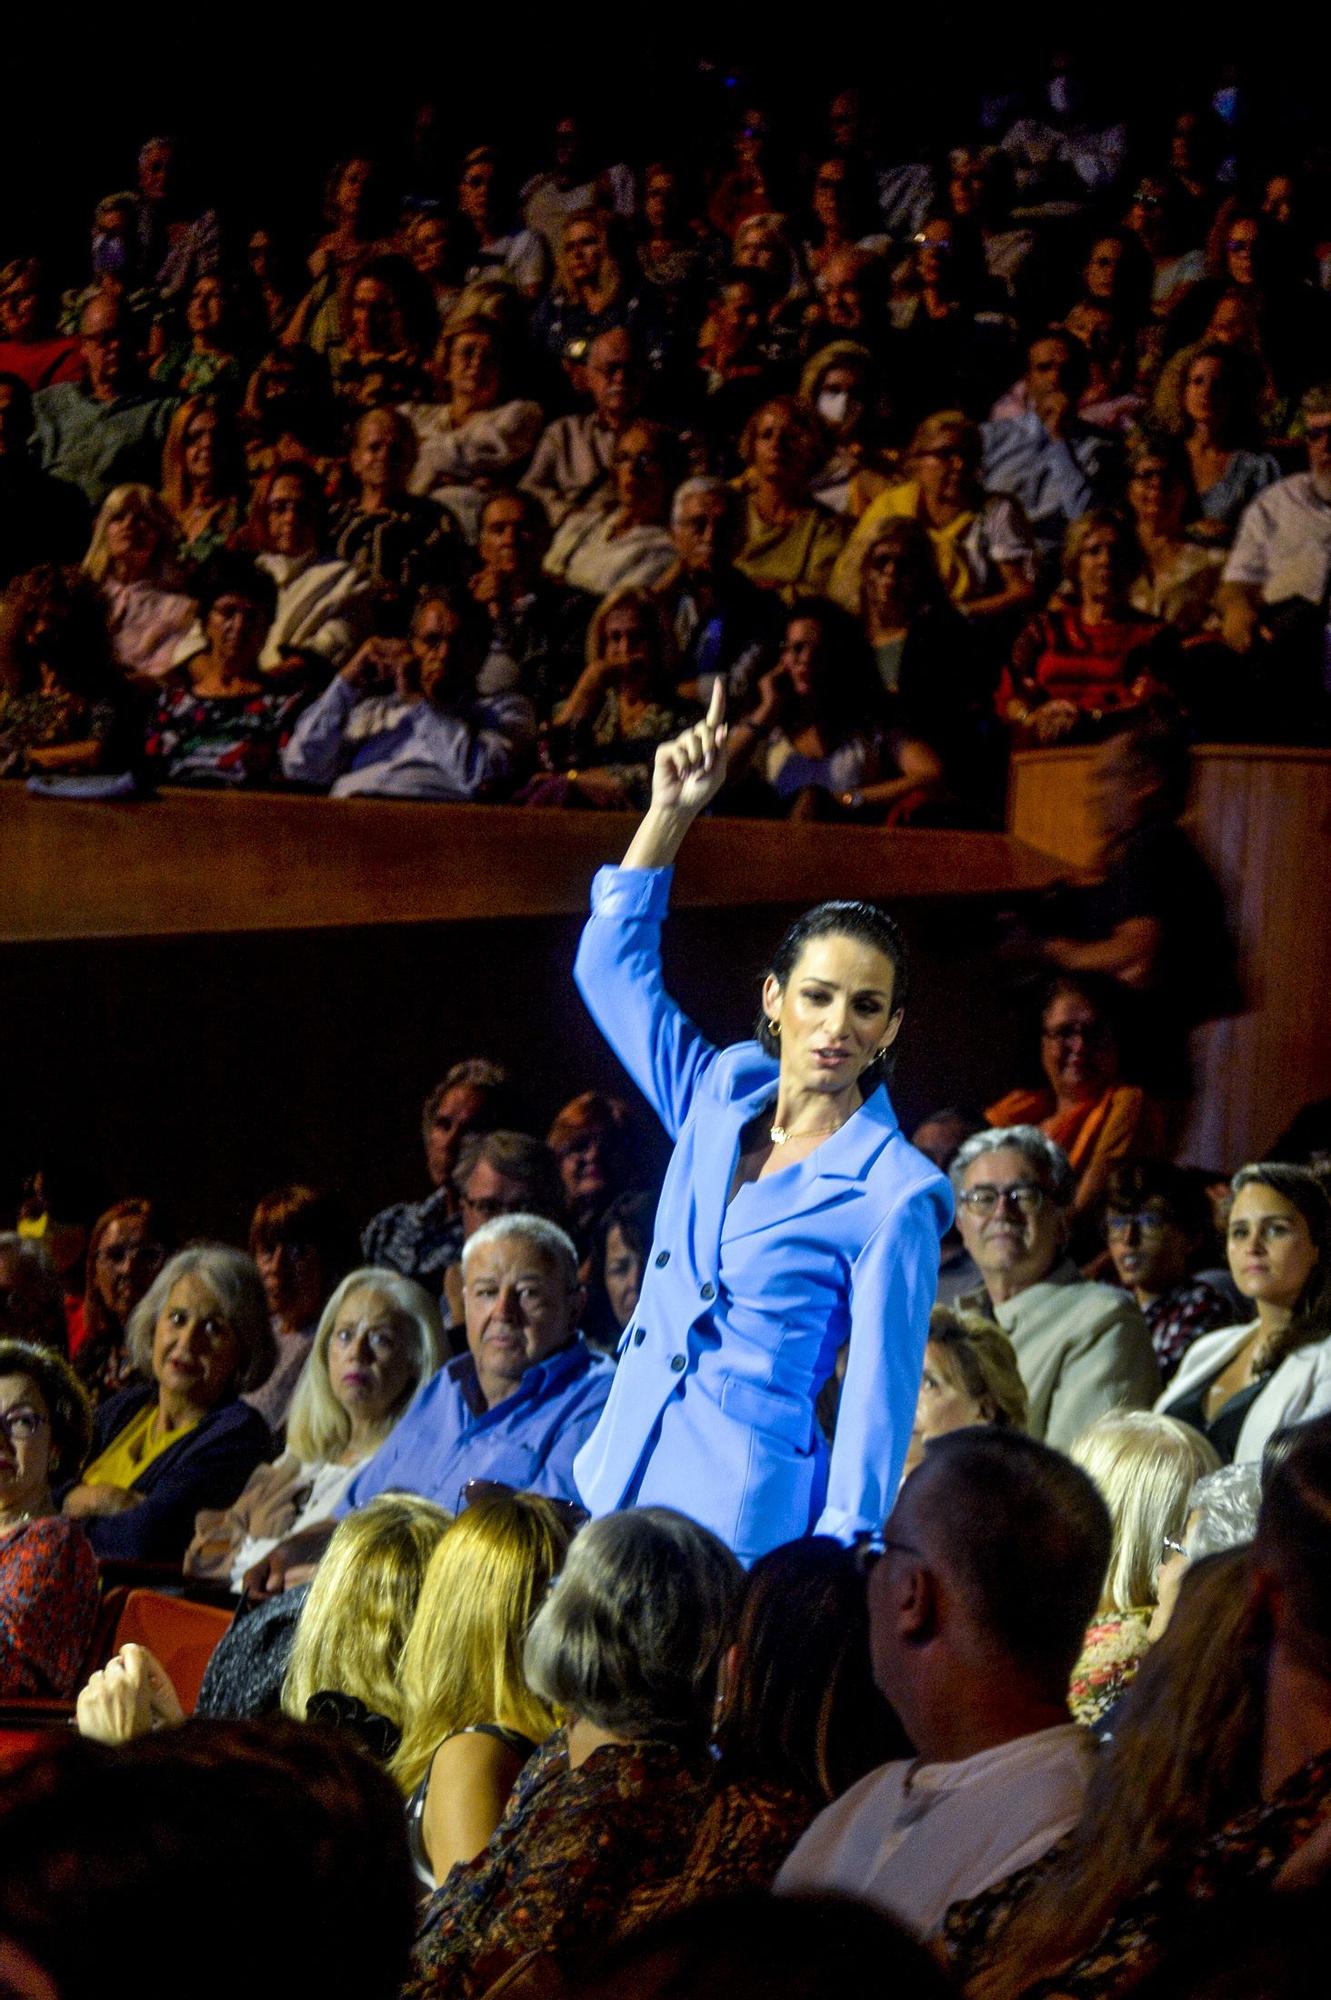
(1182, 1761)
(981, 1360)
(462, 1662)
(1145, 1466)
(356, 1618)
(318, 1428)
(144, 501)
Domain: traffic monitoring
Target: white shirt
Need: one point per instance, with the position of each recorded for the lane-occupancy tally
(914, 1838)
(1283, 544)
(1298, 1390)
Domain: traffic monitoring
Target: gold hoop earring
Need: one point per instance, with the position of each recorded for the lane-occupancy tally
(774, 1029)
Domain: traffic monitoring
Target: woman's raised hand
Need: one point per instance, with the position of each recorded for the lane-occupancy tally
(690, 772)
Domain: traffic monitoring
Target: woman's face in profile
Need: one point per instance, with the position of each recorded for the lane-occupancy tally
(943, 1405)
(623, 1274)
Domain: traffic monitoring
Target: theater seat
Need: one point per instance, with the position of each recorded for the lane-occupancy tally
(181, 1635)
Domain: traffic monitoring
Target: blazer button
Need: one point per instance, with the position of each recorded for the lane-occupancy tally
(677, 1363)
(639, 1335)
(709, 1291)
(662, 1259)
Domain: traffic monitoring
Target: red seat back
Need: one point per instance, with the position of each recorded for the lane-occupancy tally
(183, 1636)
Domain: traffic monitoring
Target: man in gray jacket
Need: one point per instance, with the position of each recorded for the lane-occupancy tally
(1082, 1348)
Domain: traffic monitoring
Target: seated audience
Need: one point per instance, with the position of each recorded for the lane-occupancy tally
(432, 737)
(377, 1343)
(1219, 428)
(303, 1246)
(1084, 1105)
(592, 1139)
(536, 626)
(818, 734)
(102, 1844)
(499, 248)
(603, 737)
(592, 292)
(477, 435)
(837, 385)
(721, 622)
(952, 338)
(1048, 460)
(396, 538)
(1082, 1348)
(323, 604)
(470, 1722)
(571, 467)
(182, 1438)
(981, 543)
(132, 560)
(203, 477)
(970, 1377)
(109, 433)
(498, 1172)
(1242, 1383)
(216, 722)
(790, 544)
(1146, 1467)
(627, 1645)
(30, 346)
(48, 1577)
(421, 1239)
(32, 1304)
(206, 361)
(1157, 1221)
(41, 519)
(517, 1407)
(1222, 1514)
(992, 1564)
(125, 1253)
(618, 1259)
(604, 549)
(1090, 661)
(798, 1722)
(1217, 1775)
(387, 325)
(63, 706)
(1178, 577)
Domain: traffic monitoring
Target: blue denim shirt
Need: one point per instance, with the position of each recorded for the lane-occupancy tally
(529, 1440)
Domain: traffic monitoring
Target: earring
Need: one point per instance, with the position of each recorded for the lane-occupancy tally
(774, 1028)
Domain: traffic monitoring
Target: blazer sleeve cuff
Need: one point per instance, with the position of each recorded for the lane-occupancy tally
(843, 1527)
(627, 893)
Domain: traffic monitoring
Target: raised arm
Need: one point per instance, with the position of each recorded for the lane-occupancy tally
(618, 968)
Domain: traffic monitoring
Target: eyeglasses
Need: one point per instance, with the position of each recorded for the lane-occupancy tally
(1075, 1031)
(573, 1516)
(1027, 1196)
(1147, 1223)
(21, 1426)
(121, 1255)
(1170, 1546)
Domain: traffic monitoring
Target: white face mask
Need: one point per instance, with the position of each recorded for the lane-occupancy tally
(835, 405)
(1060, 95)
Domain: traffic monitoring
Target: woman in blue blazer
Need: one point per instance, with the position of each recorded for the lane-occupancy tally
(794, 1218)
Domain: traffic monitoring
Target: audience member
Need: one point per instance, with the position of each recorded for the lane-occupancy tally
(63, 705)
(722, 623)
(399, 540)
(1178, 578)
(31, 1304)
(132, 560)
(182, 1438)
(1241, 1383)
(1082, 1348)
(1146, 1467)
(377, 1344)
(571, 467)
(1218, 424)
(470, 1722)
(477, 435)
(627, 1645)
(1222, 1514)
(48, 1578)
(125, 1253)
(203, 477)
(30, 347)
(111, 432)
(992, 1563)
(1156, 1221)
(604, 549)
(619, 1255)
(790, 545)
(623, 706)
(323, 604)
(303, 1246)
(421, 1239)
(1048, 460)
(970, 1377)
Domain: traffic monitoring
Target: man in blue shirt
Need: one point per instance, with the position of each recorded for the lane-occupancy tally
(516, 1407)
(1047, 458)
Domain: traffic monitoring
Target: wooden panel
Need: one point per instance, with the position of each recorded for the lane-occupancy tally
(1262, 817)
(206, 863)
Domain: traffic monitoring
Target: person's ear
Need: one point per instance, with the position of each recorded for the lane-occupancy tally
(917, 1607)
(893, 1030)
(772, 997)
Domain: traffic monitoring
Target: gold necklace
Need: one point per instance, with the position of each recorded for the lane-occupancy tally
(779, 1135)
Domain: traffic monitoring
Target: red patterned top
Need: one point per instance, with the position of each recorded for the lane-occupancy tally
(48, 1604)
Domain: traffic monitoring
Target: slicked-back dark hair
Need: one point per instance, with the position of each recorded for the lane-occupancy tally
(1026, 1536)
(868, 925)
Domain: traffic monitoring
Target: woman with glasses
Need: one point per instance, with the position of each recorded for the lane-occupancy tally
(1157, 1222)
(1242, 1383)
(48, 1577)
(125, 1253)
(626, 545)
(1083, 1103)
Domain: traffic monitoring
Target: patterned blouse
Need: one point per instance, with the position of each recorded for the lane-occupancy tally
(44, 721)
(1111, 1653)
(48, 1605)
(1245, 1854)
(233, 739)
(571, 1851)
(743, 1838)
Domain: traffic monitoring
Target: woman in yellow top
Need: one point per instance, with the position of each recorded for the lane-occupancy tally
(982, 543)
(790, 544)
(183, 1439)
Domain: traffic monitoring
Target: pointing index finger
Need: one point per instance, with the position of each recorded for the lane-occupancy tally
(716, 708)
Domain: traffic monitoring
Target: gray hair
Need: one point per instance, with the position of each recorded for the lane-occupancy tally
(1047, 1158)
(705, 485)
(552, 1241)
(1226, 1504)
(233, 1279)
(632, 1633)
(318, 1427)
